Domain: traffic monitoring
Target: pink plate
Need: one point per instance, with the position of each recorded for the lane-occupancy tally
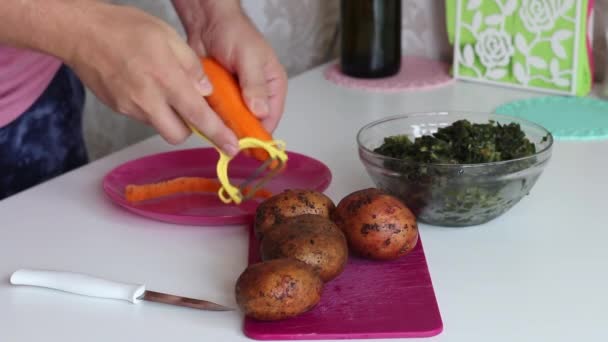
(206, 209)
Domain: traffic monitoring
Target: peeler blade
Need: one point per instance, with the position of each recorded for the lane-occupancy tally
(256, 174)
(249, 193)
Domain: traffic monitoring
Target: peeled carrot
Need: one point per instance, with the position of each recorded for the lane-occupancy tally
(226, 100)
(143, 192)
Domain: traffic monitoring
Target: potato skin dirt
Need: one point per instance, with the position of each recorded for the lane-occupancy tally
(290, 203)
(278, 289)
(314, 239)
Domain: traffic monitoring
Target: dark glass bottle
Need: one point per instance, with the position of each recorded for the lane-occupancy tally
(370, 37)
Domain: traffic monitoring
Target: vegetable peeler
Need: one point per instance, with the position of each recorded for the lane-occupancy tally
(227, 101)
(228, 192)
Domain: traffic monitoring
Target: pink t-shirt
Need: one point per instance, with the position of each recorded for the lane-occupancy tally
(24, 75)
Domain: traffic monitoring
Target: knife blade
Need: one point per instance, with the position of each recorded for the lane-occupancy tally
(88, 285)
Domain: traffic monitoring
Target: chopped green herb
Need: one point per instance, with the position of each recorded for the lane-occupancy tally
(462, 142)
(458, 196)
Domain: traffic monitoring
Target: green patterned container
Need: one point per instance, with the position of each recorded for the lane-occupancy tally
(535, 44)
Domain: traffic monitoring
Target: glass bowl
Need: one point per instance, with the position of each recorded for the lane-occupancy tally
(454, 195)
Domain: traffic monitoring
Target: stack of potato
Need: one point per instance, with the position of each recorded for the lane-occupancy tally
(305, 241)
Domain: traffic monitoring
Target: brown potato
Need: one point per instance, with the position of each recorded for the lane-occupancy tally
(351, 203)
(278, 289)
(377, 225)
(290, 203)
(313, 239)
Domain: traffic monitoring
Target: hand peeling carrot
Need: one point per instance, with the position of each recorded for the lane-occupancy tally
(226, 100)
(138, 193)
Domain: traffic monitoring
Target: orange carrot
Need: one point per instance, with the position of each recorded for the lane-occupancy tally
(138, 193)
(261, 193)
(226, 100)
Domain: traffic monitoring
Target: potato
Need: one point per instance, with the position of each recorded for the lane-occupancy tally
(351, 203)
(376, 224)
(290, 203)
(313, 239)
(278, 289)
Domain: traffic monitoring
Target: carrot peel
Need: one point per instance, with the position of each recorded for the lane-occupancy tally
(142, 192)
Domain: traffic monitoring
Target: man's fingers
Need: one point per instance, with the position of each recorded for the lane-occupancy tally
(195, 42)
(252, 80)
(193, 108)
(168, 124)
(277, 89)
(185, 89)
(139, 116)
(211, 126)
(190, 61)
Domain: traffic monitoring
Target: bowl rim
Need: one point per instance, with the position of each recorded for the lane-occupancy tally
(367, 126)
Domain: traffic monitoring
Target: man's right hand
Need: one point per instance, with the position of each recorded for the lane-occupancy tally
(140, 67)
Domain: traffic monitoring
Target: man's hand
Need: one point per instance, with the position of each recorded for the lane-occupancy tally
(141, 67)
(220, 29)
(134, 62)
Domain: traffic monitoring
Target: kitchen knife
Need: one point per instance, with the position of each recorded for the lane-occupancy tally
(86, 285)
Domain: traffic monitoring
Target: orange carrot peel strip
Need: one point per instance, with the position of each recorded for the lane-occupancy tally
(138, 193)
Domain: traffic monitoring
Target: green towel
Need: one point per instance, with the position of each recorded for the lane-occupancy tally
(523, 43)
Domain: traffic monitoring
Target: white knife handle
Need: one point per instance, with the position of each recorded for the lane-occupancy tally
(78, 283)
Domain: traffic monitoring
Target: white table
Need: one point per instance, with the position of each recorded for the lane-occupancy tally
(538, 273)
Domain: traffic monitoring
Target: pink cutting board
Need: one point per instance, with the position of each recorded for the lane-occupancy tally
(370, 299)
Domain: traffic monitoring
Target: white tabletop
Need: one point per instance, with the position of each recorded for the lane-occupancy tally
(538, 273)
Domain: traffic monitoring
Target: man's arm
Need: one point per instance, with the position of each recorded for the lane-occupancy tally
(198, 15)
(132, 61)
(51, 26)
